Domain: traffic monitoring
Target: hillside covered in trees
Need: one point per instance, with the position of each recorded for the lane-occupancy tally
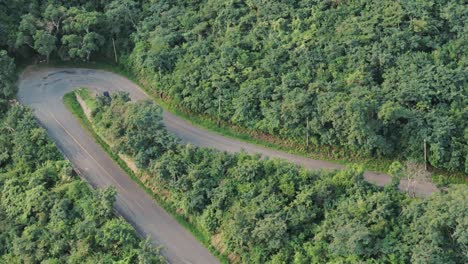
(47, 214)
(271, 211)
(372, 79)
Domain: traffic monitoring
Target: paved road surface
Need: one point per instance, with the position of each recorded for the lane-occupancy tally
(43, 89)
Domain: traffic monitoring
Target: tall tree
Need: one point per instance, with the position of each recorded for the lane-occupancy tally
(7, 76)
(26, 30)
(80, 36)
(44, 43)
(54, 15)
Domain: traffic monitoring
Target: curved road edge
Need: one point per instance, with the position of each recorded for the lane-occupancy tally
(42, 88)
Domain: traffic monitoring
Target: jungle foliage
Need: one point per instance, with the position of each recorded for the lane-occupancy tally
(373, 78)
(270, 211)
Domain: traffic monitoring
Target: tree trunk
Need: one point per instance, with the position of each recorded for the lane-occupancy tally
(307, 133)
(425, 154)
(219, 110)
(115, 50)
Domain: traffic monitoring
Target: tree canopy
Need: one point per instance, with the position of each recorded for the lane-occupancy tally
(369, 79)
(374, 79)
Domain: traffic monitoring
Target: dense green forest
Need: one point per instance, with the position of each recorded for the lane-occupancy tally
(271, 211)
(372, 78)
(47, 214)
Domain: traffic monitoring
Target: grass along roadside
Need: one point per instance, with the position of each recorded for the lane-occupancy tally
(335, 155)
(74, 107)
(84, 94)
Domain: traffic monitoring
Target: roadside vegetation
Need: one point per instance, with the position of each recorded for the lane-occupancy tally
(270, 211)
(47, 214)
(357, 81)
(359, 78)
(88, 99)
(352, 80)
(71, 102)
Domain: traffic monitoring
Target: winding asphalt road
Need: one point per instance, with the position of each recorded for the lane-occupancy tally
(43, 89)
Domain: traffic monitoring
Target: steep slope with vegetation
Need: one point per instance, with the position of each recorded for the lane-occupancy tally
(361, 78)
(373, 78)
(47, 214)
(270, 211)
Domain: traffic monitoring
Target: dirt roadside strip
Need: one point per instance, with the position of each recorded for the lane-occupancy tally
(43, 89)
